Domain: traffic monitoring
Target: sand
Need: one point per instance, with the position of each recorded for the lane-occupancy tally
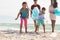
(15, 35)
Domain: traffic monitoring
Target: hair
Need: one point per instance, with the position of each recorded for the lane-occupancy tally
(43, 8)
(24, 3)
(35, 0)
(55, 3)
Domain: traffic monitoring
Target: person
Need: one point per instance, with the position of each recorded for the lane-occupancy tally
(32, 7)
(24, 12)
(52, 14)
(40, 20)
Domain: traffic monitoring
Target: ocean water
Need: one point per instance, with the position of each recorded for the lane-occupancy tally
(30, 26)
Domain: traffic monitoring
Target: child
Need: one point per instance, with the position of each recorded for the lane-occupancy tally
(24, 12)
(34, 15)
(40, 20)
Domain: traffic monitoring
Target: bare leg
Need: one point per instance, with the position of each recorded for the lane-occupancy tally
(44, 27)
(35, 25)
(25, 30)
(53, 25)
(20, 29)
(37, 28)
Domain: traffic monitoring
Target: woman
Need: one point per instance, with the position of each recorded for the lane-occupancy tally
(52, 15)
(32, 7)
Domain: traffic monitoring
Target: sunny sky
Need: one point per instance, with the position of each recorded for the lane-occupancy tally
(10, 8)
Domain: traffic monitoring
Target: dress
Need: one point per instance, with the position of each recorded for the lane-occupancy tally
(52, 15)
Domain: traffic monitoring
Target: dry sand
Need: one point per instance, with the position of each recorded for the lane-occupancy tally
(15, 35)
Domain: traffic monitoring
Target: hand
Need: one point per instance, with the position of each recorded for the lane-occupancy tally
(27, 17)
(31, 16)
(16, 18)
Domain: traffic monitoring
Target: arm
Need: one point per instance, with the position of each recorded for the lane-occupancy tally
(28, 13)
(31, 10)
(39, 8)
(49, 10)
(17, 15)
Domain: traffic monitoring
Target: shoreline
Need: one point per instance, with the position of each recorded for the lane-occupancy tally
(17, 29)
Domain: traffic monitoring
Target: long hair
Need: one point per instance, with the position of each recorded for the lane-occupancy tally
(55, 3)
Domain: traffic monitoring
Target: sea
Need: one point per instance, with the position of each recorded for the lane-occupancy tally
(16, 26)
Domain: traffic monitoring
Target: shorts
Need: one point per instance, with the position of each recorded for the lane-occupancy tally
(52, 16)
(40, 22)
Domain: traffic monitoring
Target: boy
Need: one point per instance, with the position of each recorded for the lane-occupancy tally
(24, 12)
(32, 7)
(40, 20)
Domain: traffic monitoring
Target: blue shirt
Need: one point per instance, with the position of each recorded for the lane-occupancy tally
(41, 16)
(24, 13)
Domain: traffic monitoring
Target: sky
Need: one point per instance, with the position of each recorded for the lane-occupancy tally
(10, 8)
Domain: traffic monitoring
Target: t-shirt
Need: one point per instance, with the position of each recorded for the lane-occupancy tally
(41, 16)
(24, 13)
(32, 7)
(35, 12)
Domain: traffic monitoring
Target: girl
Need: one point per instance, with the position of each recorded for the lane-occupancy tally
(24, 12)
(52, 15)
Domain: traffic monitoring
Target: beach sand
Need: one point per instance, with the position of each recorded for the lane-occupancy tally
(15, 35)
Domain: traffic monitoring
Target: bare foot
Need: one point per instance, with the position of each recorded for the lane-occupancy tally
(26, 32)
(20, 32)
